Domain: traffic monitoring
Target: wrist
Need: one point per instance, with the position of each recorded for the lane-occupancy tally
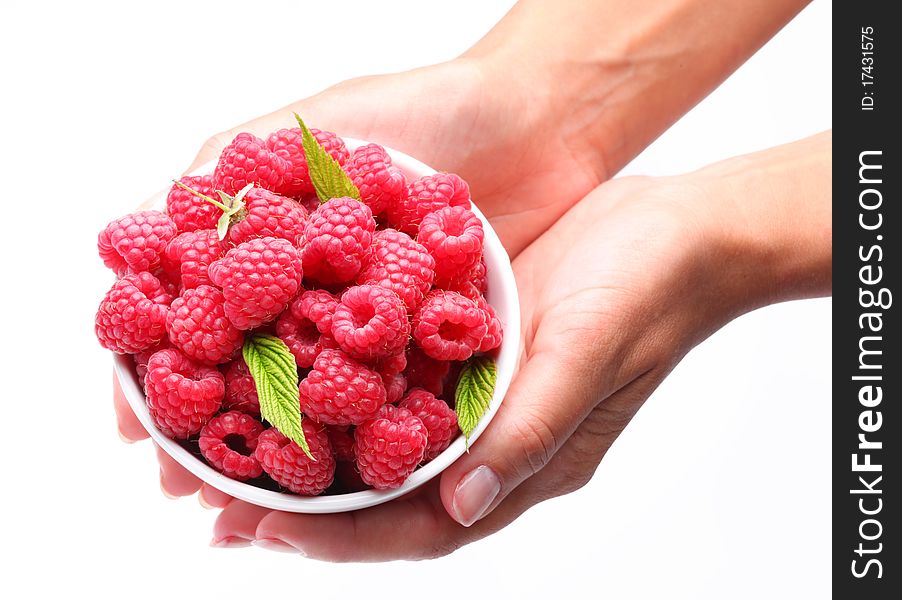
(768, 219)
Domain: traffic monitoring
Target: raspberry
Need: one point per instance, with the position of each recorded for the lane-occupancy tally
(301, 336)
(198, 326)
(188, 257)
(448, 326)
(132, 315)
(317, 306)
(258, 279)
(341, 391)
(342, 441)
(438, 418)
(453, 235)
(286, 463)
(181, 395)
(476, 276)
(389, 447)
(310, 202)
(380, 184)
(395, 385)
(287, 144)
(135, 242)
(268, 214)
(400, 264)
(248, 160)
(143, 356)
(337, 240)
(495, 332)
(425, 372)
(240, 389)
(189, 212)
(390, 366)
(370, 322)
(228, 442)
(425, 195)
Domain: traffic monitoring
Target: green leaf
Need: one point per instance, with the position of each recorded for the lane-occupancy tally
(328, 178)
(276, 377)
(474, 392)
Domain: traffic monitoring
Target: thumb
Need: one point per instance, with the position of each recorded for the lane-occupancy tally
(548, 399)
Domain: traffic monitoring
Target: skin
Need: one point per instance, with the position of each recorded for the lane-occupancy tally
(617, 281)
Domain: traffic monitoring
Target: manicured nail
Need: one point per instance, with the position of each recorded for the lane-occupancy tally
(230, 541)
(163, 489)
(276, 546)
(203, 502)
(473, 495)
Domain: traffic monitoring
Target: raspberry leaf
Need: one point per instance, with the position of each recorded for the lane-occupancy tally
(276, 377)
(474, 393)
(328, 178)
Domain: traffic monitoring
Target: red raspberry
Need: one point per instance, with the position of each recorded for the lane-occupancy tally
(389, 447)
(337, 240)
(400, 264)
(380, 184)
(438, 418)
(301, 336)
(448, 326)
(304, 324)
(425, 195)
(258, 279)
(132, 315)
(390, 366)
(248, 160)
(341, 391)
(310, 202)
(143, 356)
(287, 464)
(240, 389)
(453, 235)
(181, 395)
(188, 211)
(370, 322)
(189, 255)
(287, 143)
(395, 386)
(228, 442)
(198, 326)
(268, 214)
(341, 438)
(476, 277)
(425, 372)
(495, 331)
(135, 242)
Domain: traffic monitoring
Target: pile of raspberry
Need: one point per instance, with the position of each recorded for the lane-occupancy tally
(380, 300)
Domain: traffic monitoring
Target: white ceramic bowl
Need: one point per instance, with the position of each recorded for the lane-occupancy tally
(502, 295)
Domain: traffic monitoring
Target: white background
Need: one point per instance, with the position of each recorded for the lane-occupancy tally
(719, 488)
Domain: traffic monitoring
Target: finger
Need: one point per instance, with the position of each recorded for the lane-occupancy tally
(548, 399)
(237, 522)
(175, 480)
(413, 527)
(130, 429)
(210, 497)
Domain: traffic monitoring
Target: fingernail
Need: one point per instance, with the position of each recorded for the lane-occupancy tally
(230, 541)
(203, 502)
(276, 546)
(473, 495)
(123, 438)
(163, 489)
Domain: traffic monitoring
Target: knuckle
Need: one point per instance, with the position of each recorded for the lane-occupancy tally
(535, 439)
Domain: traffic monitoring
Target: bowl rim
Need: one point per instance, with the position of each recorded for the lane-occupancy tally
(504, 298)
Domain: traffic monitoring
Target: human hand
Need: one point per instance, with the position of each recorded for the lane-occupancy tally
(613, 296)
